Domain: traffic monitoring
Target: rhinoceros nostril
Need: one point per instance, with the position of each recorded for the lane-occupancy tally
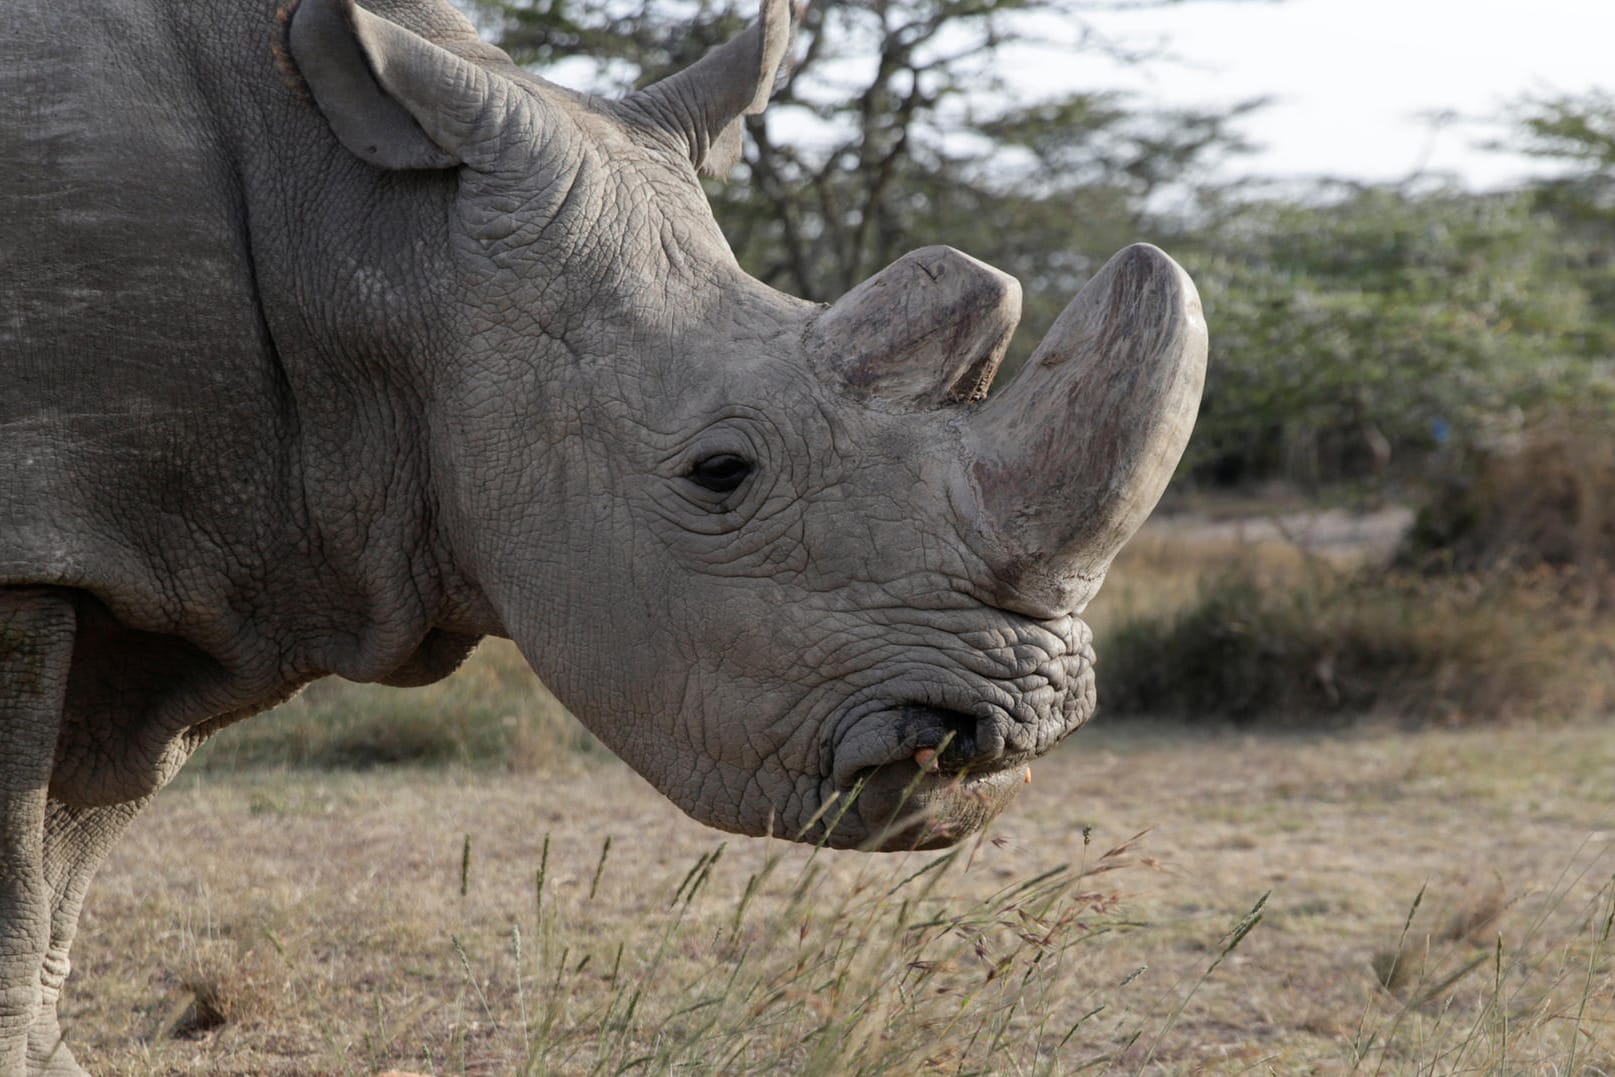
(959, 745)
(949, 741)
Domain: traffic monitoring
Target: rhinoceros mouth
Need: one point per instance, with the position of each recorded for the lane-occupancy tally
(924, 739)
(927, 751)
(915, 803)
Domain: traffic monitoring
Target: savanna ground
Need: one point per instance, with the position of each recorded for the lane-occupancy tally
(1162, 898)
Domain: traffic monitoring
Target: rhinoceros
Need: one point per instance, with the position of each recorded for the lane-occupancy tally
(332, 342)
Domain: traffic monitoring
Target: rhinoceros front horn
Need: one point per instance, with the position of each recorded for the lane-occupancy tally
(927, 330)
(1072, 455)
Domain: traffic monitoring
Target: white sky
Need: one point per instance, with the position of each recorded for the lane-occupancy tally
(1350, 79)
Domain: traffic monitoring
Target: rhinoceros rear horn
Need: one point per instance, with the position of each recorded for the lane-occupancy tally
(704, 103)
(393, 98)
(1073, 454)
(927, 330)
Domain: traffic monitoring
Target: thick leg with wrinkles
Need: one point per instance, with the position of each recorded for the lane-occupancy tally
(76, 841)
(36, 650)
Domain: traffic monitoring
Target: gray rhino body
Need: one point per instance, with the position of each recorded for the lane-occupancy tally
(330, 342)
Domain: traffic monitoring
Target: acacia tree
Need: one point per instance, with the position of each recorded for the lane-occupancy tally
(895, 126)
(1371, 325)
(1577, 132)
(1353, 325)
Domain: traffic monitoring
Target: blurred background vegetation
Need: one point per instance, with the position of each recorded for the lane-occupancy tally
(1362, 334)
(1420, 345)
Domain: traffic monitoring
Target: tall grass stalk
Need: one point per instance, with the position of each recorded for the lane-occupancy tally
(795, 974)
(1229, 943)
(1526, 995)
(1596, 955)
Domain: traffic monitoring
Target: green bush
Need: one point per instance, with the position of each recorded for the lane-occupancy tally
(1337, 644)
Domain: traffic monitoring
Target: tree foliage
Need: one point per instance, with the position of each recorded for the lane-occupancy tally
(1577, 133)
(1358, 328)
(1355, 329)
(1380, 324)
(895, 127)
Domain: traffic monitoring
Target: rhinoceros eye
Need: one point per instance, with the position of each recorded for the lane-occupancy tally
(721, 474)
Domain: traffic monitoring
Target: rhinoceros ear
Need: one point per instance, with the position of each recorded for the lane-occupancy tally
(704, 104)
(929, 329)
(393, 98)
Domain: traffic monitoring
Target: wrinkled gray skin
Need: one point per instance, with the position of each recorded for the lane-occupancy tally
(333, 344)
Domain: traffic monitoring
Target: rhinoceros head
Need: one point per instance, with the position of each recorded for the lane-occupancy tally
(789, 561)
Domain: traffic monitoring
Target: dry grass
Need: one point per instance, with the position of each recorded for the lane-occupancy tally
(1540, 496)
(371, 941)
(1325, 644)
(1163, 569)
(493, 711)
(1296, 621)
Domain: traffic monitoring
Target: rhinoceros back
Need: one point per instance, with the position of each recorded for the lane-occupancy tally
(141, 419)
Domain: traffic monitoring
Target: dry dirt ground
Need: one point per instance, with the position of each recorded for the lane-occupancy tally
(331, 923)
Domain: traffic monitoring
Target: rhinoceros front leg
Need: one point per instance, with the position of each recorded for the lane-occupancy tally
(48, 850)
(36, 650)
(76, 841)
